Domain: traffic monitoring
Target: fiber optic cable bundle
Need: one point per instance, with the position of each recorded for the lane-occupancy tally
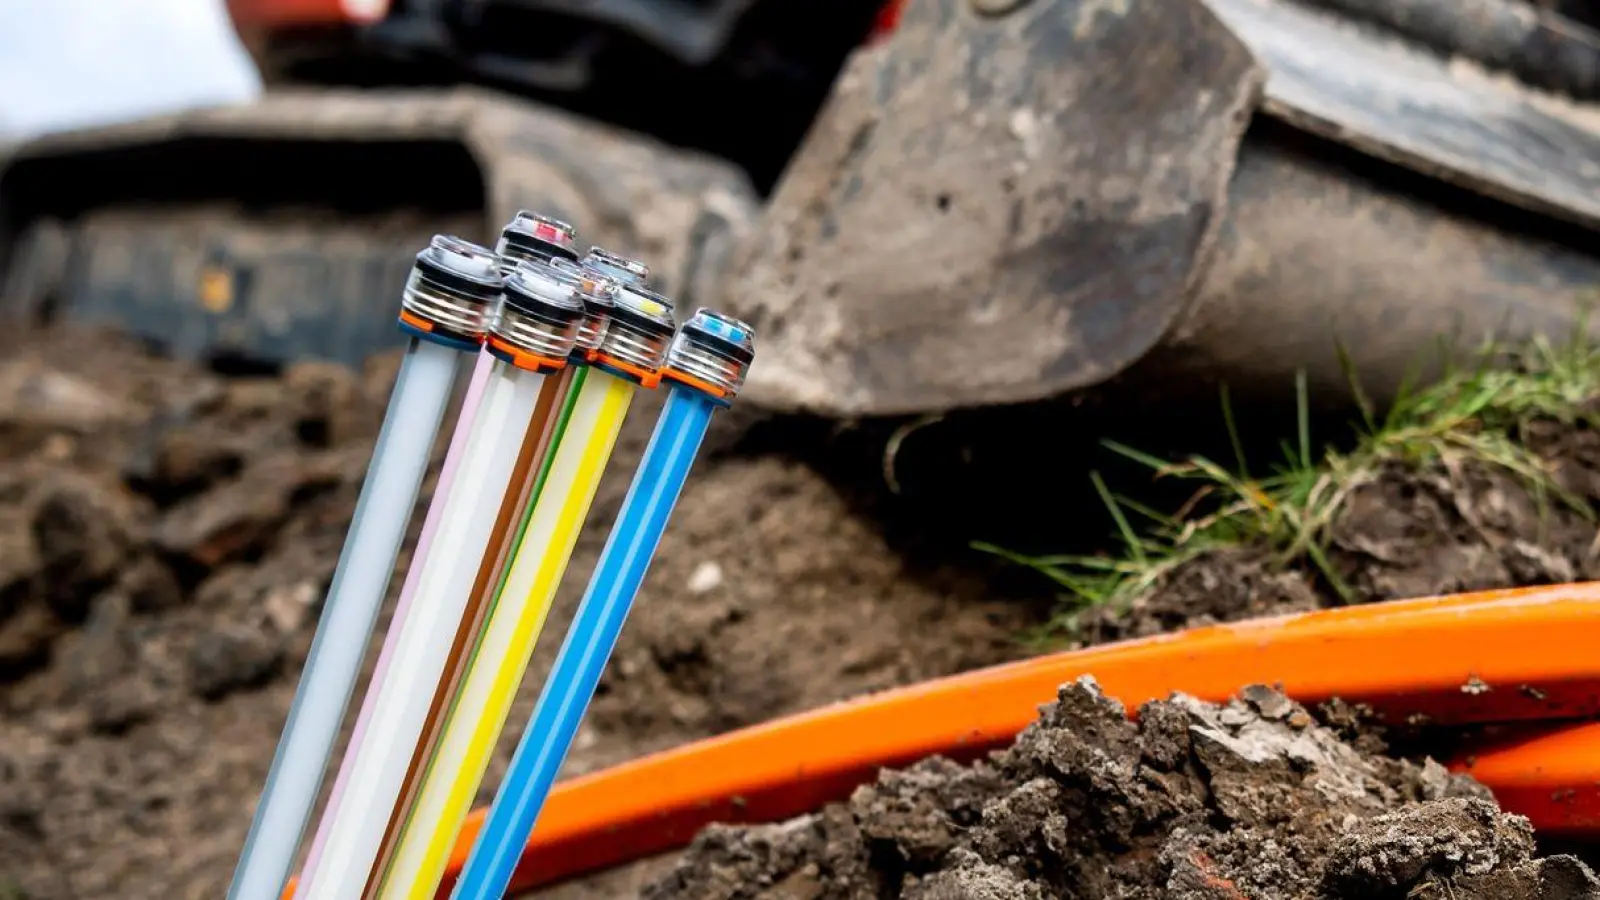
(559, 345)
(529, 237)
(629, 356)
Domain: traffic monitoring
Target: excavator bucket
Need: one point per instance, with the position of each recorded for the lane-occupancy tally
(284, 229)
(1008, 200)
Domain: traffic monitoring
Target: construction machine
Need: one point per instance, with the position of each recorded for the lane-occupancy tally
(1081, 194)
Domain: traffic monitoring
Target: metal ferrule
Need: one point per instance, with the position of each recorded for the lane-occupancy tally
(597, 292)
(592, 330)
(616, 266)
(455, 286)
(530, 237)
(712, 349)
(640, 329)
(541, 313)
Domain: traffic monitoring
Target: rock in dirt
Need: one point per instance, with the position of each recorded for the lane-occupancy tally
(241, 517)
(327, 404)
(1193, 801)
(85, 529)
(100, 669)
(1449, 848)
(64, 538)
(149, 586)
(187, 458)
(46, 400)
(232, 658)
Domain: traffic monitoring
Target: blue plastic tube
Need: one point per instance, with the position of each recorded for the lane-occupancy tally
(588, 645)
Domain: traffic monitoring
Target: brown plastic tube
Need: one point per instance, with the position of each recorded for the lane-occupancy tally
(535, 446)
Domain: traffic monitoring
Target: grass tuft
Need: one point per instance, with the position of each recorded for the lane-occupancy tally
(1480, 413)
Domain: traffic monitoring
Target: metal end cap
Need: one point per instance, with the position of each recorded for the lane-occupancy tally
(644, 310)
(454, 285)
(460, 263)
(595, 291)
(712, 349)
(537, 289)
(615, 265)
(531, 235)
(537, 328)
(640, 329)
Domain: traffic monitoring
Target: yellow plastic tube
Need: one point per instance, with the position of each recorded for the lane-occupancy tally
(479, 713)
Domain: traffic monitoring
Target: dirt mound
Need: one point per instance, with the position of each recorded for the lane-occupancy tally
(1401, 533)
(1254, 799)
(166, 536)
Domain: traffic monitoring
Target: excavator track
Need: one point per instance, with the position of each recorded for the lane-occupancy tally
(284, 229)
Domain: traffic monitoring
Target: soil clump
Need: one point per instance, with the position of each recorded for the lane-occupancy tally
(1192, 801)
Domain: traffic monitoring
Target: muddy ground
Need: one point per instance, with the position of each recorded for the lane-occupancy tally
(166, 534)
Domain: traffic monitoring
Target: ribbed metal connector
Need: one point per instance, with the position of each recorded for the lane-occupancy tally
(713, 350)
(530, 237)
(616, 266)
(597, 292)
(540, 317)
(641, 328)
(454, 289)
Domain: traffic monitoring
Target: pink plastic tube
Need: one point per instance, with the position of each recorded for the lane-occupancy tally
(447, 473)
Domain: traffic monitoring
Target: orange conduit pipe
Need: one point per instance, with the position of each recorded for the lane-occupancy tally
(1550, 774)
(1497, 656)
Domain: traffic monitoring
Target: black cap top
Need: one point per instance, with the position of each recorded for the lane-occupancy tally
(543, 291)
(460, 265)
(530, 235)
(643, 309)
(615, 265)
(721, 334)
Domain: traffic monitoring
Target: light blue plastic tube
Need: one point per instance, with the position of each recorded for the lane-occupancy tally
(588, 644)
(399, 460)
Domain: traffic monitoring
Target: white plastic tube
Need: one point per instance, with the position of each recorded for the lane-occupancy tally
(355, 835)
(399, 461)
(468, 416)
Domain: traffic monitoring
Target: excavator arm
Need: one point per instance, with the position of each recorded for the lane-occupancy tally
(1168, 194)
